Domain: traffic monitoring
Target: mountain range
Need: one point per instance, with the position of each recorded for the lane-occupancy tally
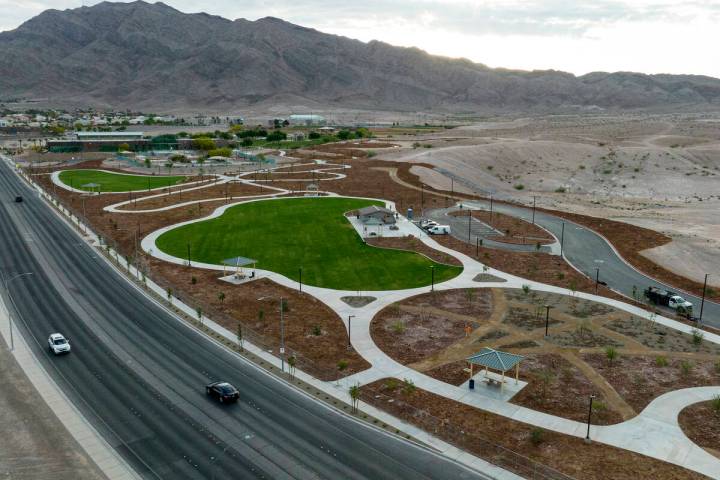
(141, 55)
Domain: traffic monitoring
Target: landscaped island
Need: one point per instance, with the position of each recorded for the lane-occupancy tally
(115, 182)
(309, 233)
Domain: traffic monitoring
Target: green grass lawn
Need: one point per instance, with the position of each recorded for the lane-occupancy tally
(312, 233)
(113, 182)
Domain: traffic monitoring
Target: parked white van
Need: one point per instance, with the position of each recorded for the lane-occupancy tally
(439, 230)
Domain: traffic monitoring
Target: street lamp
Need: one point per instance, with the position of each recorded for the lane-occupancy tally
(300, 282)
(597, 279)
(432, 277)
(7, 292)
(587, 436)
(350, 317)
(533, 213)
(547, 318)
(702, 303)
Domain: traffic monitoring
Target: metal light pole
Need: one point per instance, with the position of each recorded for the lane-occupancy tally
(702, 303)
(7, 293)
(188, 250)
(587, 436)
(491, 209)
(547, 318)
(300, 282)
(282, 335)
(350, 317)
(469, 224)
(562, 239)
(597, 279)
(432, 276)
(533, 214)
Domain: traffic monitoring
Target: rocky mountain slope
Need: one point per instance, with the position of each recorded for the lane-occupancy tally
(141, 55)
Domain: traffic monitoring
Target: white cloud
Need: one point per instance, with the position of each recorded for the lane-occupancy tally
(653, 36)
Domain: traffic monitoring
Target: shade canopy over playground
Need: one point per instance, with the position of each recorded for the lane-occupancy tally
(496, 360)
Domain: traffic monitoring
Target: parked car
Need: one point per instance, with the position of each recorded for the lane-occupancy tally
(427, 224)
(669, 299)
(439, 230)
(223, 391)
(58, 344)
(18, 199)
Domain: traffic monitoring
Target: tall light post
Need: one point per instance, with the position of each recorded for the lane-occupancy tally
(432, 278)
(587, 435)
(533, 213)
(702, 303)
(469, 223)
(547, 318)
(350, 317)
(562, 239)
(300, 281)
(282, 334)
(597, 279)
(7, 293)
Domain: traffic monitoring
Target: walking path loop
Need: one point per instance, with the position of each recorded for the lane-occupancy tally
(654, 432)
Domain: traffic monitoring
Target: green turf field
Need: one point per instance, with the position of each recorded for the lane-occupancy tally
(114, 182)
(312, 233)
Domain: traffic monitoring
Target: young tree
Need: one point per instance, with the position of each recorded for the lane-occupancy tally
(354, 392)
(292, 361)
(221, 297)
(240, 339)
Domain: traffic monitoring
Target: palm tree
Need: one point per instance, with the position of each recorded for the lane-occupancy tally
(354, 392)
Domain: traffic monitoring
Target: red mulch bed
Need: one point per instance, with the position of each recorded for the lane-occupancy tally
(701, 423)
(413, 244)
(639, 379)
(490, 436)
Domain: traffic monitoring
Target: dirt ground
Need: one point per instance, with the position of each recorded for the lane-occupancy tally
(513, 229)
(701, 423)
(490, 437)
(653, 171)
(414, 244)
(33, 442)
(563, 368)
(638, 379)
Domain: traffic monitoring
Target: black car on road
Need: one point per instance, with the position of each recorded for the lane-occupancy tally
(223, 391)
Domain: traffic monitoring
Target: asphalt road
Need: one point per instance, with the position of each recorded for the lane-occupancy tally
(586, 250)
(138, 374)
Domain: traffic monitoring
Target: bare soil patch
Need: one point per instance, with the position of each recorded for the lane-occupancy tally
(638, 379)
(228, 191)
(701, 423)
(490, 437)
(413, 244)
(418, 327)
(557, 387)
(660, 337)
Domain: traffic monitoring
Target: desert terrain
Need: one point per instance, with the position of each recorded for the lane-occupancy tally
(655, 171)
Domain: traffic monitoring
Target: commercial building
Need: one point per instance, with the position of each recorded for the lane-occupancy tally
(307, 120)
(100, 142)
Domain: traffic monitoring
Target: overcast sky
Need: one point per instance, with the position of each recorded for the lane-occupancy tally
(651, 36)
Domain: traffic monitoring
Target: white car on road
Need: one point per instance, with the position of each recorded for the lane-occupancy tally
(58, 344)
